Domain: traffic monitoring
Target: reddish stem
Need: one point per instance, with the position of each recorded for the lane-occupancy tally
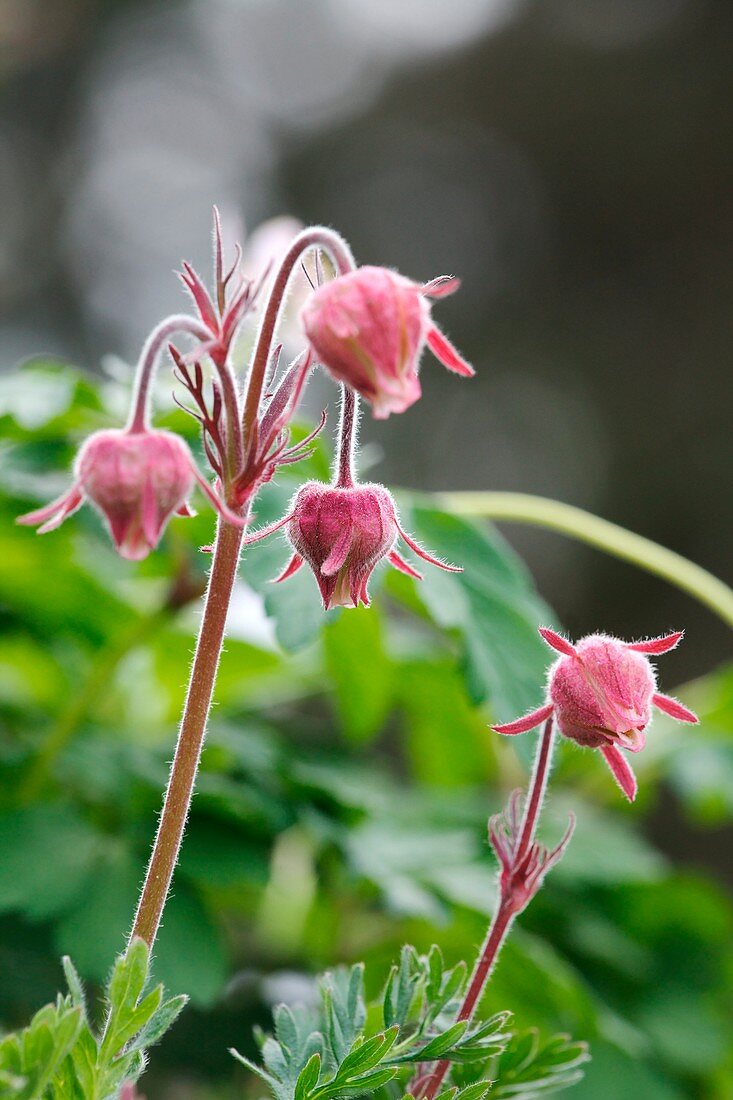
(191, 736)
(221, 582)
(315, 237)
(347, 438)
(507, 909)
(139, 417)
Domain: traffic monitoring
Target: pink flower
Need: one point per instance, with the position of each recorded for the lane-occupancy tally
(343, 533)
(369, 329)
(137, 480)
(601, 693)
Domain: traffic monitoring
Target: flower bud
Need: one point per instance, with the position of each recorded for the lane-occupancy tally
(369, 328)
(601, 692)
(137, 480)
(342, 533)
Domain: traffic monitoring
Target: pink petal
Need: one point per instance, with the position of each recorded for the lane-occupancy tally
(557, 642)
(150, 521)
(399, 562)
(674, 708)
(528, 722)
(621, 770)
(422, 553)
(53, 515)
(444, 351)
(658, 645)
(339, 554)
(292, 567)
(441, 287)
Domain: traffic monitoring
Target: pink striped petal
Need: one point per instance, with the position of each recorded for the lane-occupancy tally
(423, 553)
(674, 708)
(658, 645)
(557, 642)
(292, 567)
(443, 350)
(621, 770)
(53, 515)
(528, 722)
(399, 562)
(441, 287)
(339, 553)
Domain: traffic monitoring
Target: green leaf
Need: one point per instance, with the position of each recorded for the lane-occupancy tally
(123, 1026)
(92, 932)
(493, 606)
(47, 853)
(441, 1044)
(76, 989)
(529, 1067)
(128, 978)
(367, 1054)
(308, 1077)
(161, 1021)
(201, 972)
(360, 672)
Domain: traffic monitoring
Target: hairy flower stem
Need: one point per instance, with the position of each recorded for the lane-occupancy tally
(348, 428)
(190, 738)
(219, 591)
(507, 909)
(315, 237)
(139, 418)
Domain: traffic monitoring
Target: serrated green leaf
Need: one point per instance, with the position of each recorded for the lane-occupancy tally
(308, 1077)
(441, 1044)
(124, 1026)
(161, 1021)
(129, 975)
(367, 1054)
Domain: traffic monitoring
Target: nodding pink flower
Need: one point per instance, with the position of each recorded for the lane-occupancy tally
(601, 693)
(343, 533)
(137, 480)
(369, 328)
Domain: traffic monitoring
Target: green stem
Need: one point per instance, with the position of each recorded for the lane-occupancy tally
(615, 540)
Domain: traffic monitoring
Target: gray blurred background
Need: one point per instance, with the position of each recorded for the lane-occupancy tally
(570, 159)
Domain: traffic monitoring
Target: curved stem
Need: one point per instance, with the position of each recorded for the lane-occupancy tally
(139, 417)
(507, 908)
(191, 735)
(348, 428)
(615, 540)
(316, 237)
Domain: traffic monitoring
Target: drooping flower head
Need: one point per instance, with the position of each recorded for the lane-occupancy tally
(342, 533)
(601, 692)
(137, 480)
(369, 328)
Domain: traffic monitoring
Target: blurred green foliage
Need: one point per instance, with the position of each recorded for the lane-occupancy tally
(346, 782)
